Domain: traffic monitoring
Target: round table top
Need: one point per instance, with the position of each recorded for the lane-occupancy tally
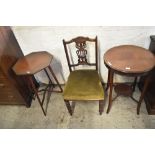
(32, 63)
(129, 59)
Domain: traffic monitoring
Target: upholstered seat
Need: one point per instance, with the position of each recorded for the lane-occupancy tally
(83, 85)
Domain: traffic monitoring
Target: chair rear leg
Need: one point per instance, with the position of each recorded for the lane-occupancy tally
(101, 106)
(69, 107)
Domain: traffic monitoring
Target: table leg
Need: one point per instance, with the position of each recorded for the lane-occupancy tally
(134, 84)
(48, 76)
(49, 67)
(111, 75)
(36, 93)
(107, 87)
(143, 93)
(30, 87)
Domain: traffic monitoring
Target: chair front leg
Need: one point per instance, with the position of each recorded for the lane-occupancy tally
(69, 107)
(101, 106)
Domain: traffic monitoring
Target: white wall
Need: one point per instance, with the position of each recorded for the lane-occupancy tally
(50, 39)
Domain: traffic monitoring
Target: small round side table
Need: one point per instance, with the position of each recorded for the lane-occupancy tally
(128, 60)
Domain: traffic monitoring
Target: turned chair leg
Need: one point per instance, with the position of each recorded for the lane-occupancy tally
(101, 106)
(69, 107)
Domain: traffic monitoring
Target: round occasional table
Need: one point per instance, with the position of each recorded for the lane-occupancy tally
(128, 60)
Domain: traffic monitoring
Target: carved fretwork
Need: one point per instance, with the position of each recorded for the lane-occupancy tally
(81, 52)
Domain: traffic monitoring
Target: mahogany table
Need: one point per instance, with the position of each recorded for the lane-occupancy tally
(128, 60)
(33, 63)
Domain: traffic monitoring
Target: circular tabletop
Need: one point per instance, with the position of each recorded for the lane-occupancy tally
(129, 59)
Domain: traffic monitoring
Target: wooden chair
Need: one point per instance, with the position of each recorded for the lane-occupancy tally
(82, 84)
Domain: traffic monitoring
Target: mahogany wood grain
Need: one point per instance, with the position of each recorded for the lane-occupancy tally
(128, 60)
(14, 89)
(32, 63)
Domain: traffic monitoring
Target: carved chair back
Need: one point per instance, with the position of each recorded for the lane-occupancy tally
(80, 44)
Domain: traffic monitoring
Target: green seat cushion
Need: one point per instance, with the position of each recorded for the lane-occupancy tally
(83, 85)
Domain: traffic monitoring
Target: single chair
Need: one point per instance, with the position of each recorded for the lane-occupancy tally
(83, 84)
(34, 63)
